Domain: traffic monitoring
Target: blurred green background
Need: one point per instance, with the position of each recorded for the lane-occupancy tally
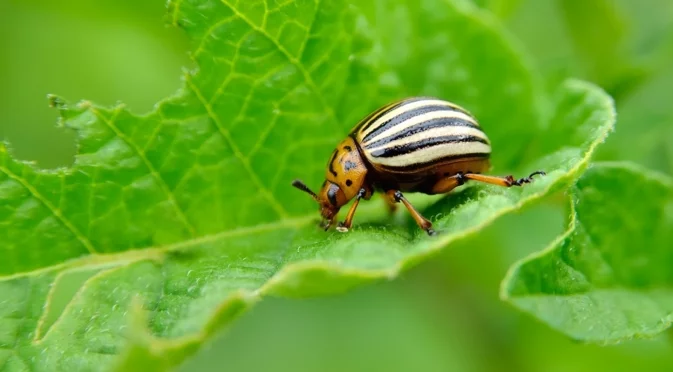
(443, 315)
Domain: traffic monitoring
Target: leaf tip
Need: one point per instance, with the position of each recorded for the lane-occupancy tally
(56, 102)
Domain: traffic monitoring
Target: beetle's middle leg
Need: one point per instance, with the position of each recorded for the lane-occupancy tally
(390, 203)
(397, 197)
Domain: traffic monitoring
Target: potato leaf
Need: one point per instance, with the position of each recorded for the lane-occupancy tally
(608, 277)
(178, 220)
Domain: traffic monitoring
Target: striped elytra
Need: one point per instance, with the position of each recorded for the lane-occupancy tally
(418, 133)
(418, 144)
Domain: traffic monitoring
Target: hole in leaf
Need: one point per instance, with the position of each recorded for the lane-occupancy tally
(102, 51)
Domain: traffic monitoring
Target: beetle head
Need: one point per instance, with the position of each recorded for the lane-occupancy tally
(344, 177)
(330, 199)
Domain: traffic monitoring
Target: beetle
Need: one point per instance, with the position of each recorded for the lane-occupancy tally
(418, 144)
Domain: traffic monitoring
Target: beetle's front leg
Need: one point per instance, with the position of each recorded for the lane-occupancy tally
(344, 226)
(423, 223)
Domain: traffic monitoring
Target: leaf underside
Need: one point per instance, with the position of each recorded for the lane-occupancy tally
(608, 278)
(184, 217)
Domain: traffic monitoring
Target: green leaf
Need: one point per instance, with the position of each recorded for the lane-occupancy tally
(608, 277)
(178, 220)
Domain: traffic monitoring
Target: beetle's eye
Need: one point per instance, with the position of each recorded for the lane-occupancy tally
(331, 194)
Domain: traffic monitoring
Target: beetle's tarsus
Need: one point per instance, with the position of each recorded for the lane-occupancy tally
(431, 232)
(341, 227)
(528, 179)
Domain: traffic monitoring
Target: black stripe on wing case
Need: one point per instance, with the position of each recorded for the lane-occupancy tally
(421, 127)
(406, 115)
(407, 148)
(374, 116)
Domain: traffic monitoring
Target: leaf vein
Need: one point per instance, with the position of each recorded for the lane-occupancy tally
(155, 174)
(294, 61)
(200, 48)
(52, 209)
(237, 152)
(309, 30)
(176, 11)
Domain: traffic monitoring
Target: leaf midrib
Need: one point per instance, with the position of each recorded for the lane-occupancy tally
(156, 252)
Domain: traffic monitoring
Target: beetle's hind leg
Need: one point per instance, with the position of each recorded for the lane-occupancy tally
(395, 196)
(449, 183)
(507, 181)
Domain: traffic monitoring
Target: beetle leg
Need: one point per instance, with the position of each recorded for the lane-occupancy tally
(507, 181)
(449, 183)
(390, 202)
(423, 223)
(344, 226)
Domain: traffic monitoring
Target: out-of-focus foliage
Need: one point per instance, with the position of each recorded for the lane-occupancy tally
(624, 46)
(47, 47)
(446, 313)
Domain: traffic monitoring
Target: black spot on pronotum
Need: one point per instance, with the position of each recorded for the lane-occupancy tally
(349, 165)
(348, 148)
(349, 183)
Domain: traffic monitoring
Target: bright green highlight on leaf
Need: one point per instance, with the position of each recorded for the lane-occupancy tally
(185, 216)
(608, 278)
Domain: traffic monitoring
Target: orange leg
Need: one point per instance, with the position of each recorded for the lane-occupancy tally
(392, 205)
(507, 181)
(344, 226)
(423, 223)
(449, 183)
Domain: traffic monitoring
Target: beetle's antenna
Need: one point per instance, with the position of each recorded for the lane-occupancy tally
(301, 186)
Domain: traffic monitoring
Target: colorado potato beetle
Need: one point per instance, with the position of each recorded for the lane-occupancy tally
(418, 144)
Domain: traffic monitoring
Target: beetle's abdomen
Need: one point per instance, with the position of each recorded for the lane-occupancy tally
(420, 133)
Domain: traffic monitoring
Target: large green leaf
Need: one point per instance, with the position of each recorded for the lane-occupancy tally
(608, 278)
(178, 220)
